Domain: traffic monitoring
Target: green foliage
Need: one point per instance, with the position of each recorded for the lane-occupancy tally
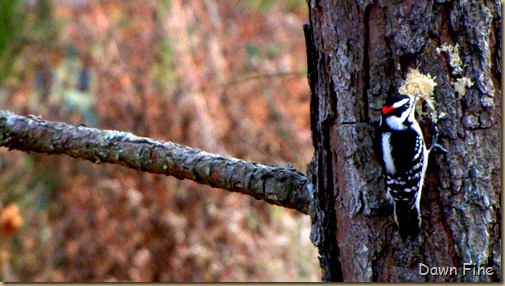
(260, 5)
(292, 5)
(265, 6)
(12, 23)
(164, 69)
(22, 26)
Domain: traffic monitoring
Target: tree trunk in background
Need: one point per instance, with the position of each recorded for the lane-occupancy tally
(358, 53)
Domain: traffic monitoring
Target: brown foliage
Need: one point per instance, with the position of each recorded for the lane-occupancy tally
(215, 76)
(10, 220)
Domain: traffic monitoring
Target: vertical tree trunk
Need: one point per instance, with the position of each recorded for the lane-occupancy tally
(358, 53)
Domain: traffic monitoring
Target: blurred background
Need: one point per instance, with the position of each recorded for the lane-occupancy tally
(228, 77)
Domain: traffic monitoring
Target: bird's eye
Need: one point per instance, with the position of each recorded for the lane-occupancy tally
(407, 104)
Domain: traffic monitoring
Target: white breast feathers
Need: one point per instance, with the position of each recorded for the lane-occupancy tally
(386, 153)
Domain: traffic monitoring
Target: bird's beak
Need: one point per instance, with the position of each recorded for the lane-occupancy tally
(414, 103)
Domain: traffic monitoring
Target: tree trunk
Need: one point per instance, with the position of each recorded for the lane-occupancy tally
(359, 53)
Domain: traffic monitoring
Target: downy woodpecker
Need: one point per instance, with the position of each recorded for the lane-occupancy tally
(404, 161)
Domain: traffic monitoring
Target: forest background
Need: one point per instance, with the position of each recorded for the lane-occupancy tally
(228, 77)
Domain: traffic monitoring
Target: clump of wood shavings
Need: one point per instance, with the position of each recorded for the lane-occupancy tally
(422, 86)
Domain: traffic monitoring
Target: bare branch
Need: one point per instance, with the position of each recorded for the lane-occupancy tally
(279, 186)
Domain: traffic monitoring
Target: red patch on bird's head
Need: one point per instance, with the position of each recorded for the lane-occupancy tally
(387, 109)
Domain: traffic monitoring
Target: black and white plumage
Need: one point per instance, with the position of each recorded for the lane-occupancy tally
(404, 159)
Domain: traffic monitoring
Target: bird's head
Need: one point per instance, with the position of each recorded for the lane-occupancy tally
(398, 111)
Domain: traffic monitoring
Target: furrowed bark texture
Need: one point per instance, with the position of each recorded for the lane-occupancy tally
(279, 186)
(358, 53)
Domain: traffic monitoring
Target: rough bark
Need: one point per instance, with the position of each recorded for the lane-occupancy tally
(358, 53)
(279, 186)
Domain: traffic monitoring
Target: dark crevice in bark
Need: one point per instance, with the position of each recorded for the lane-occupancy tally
(496, 235)
(456, 259)
(390, 69)
(443, 28)
(492, 234)
(328, 187)
(322, 210)
(433, 203)
(496, 50)
(494, 276)
(313, 79)
(409, 61)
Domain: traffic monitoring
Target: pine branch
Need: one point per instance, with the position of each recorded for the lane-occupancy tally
(279, 186)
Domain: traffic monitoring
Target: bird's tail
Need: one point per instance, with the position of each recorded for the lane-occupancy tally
(408, 220)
